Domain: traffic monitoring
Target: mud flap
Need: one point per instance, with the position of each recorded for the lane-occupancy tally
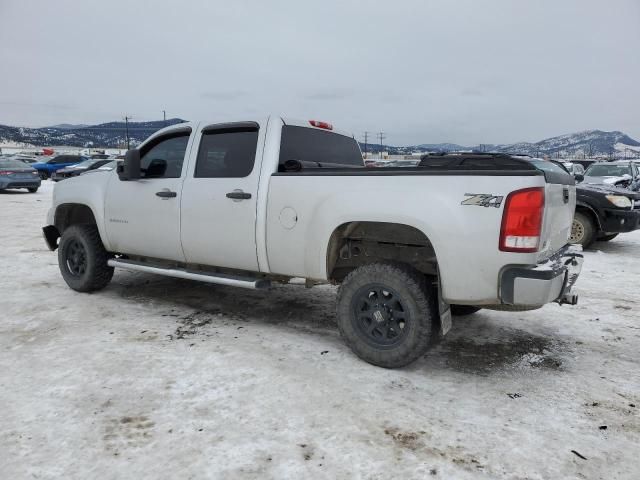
(445, 312)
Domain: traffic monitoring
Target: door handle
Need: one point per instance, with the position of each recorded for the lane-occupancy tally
(166, 194)
(238, 195)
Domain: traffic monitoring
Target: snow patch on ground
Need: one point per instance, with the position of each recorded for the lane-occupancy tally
(163, 378)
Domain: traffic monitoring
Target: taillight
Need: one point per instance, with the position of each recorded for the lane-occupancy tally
(5, 173)
(318, 124)
(522, 221)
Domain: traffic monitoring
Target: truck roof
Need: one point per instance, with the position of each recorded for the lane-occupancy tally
(261, 120)
(306, 123)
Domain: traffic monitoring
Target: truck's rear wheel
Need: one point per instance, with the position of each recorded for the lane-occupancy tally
(83, 260)
(462, 310)
(387, 314)
(582, 230)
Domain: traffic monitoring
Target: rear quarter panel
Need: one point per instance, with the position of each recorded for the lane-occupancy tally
(465, 237)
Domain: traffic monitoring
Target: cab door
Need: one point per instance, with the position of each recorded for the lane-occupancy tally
(142, 217)
(219, 200)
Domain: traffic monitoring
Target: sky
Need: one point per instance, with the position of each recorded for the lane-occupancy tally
(422, 71)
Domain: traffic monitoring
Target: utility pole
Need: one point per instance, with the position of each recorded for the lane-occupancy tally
(126, 126)
(164, 117)
(366, 142)
(381, 136)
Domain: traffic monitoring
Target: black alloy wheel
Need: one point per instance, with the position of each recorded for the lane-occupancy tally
(379, 316)
(76, 258)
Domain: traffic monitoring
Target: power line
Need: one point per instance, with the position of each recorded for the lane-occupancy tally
(126, 126)
(381, 136)
(366, 140)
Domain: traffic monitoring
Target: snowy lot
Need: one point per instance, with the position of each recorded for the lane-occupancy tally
(161, 378)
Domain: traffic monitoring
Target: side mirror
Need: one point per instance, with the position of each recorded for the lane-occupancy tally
(579, 177)
(292, 166)
(129, 169)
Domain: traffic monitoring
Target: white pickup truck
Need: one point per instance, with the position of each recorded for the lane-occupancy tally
(254, 202)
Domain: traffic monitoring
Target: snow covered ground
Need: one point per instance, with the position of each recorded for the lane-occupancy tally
(161, 378)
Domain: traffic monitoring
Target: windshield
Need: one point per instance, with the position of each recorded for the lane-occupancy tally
(85, 164)
(12, 164)
(108, 166)
(607, 170)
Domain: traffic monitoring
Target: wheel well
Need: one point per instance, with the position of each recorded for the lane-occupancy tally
(69, 214)
(355, 244)
(591, 214)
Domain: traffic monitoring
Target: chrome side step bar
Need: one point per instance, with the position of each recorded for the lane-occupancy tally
(217, 278)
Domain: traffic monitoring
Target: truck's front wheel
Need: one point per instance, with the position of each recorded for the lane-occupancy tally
(387, 314)
(83, 260)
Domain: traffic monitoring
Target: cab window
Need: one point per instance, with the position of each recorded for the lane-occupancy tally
(164, 157)
(227, 153)
(312, 145)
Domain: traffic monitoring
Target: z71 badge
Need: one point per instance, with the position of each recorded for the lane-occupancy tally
(482, 200)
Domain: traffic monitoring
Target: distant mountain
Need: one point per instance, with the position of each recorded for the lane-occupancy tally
(112, 134)
(441, 147)
(590, 143)
(587, 143)
(68, 126)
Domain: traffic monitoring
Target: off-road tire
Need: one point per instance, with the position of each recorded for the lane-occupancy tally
(32, 190)
(606, 238)
(419, 302)
(583, 230)
(96, 273)
(463, 310)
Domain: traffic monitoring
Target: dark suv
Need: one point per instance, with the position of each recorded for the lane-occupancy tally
(623, 174)
(604, 210)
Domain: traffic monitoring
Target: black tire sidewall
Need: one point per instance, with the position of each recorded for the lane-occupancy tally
(415, 301)
(84, 282)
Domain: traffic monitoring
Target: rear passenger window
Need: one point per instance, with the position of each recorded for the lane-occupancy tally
(313, 145)
(227, 153)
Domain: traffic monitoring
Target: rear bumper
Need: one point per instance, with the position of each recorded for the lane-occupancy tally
(619, 221)
(546, 282)
(17, 183)
(57, 176)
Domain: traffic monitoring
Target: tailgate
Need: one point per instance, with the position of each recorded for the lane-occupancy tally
(560, 205)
